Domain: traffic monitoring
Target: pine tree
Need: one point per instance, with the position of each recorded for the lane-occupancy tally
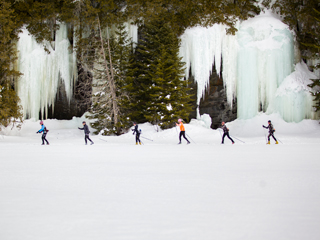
(10, 110)
(159, 91)
(41, 18)
(314, 48)
(96, 55)
(102, 108)
(189, 13)
(122, 52)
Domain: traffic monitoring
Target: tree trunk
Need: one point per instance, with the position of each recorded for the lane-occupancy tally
(115, 109)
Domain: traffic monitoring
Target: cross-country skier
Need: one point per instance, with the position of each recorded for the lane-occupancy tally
(137, 132)
(271, 131)
(44, 133)
(182, 131)
(225, 133)
(86, 132)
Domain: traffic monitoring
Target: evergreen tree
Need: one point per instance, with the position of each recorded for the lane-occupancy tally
(315, 49)
(10, 110)
(95, 54)
(41, 18)
(101, 110)
(189, 13)
(9, 101)
(159, 93)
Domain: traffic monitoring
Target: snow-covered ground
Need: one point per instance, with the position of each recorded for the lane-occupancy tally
(116, 190)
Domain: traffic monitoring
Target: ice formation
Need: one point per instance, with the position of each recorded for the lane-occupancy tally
(293, 99)
(265, 58)
(38, 86)
(132, 31)
(200, 49)
(43, 72)
(254, 65)
(255, 62)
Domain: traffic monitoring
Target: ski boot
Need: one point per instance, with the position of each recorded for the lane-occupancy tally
(268, 142)
(277, 142)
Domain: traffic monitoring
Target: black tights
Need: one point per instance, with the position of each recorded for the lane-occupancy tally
(87, 137)
(226, 134)
(183, 134)
(271, 135)
(44, 138)
(137, 138)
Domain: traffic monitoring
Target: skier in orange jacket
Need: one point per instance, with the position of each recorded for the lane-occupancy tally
(182, 131)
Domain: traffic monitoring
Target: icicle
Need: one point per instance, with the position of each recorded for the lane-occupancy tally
(200, 49)
(132, 33)
(230, 66)
(38, 86)
(255, 63)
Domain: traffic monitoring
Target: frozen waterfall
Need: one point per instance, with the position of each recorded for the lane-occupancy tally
(38, 85)
(42, 72)
(255, 63)
(265, 59)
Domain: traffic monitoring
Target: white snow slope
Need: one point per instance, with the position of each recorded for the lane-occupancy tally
(116, 190)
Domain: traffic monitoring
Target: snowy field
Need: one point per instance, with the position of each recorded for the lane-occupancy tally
(116, 190)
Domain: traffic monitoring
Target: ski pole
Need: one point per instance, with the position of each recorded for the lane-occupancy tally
(103, 140)
(280, 140)
(237, 139)
(148, 139)
(265, 136)
(220, 131)
(190, 138)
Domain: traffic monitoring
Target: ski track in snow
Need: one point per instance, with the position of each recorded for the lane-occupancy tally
(160, 190)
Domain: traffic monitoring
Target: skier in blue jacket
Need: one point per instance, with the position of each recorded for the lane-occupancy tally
(44, 132)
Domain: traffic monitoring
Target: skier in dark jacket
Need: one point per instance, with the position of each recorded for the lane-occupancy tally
(137, 132)
(271, 131)
(86, 132)
(225, 133)
(44, 133)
